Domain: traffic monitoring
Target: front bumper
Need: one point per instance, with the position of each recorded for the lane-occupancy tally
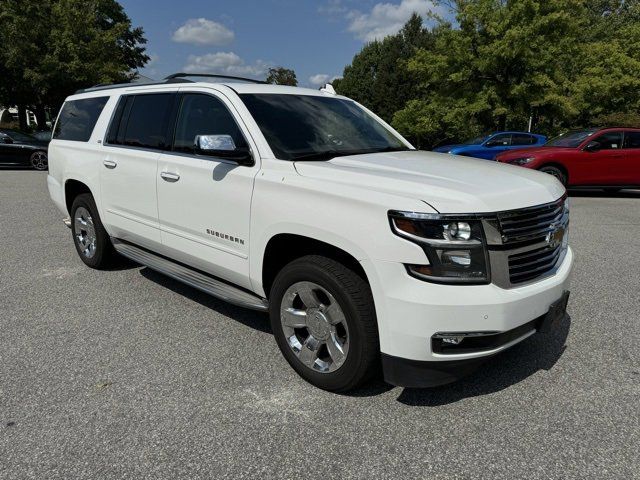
(411, 311)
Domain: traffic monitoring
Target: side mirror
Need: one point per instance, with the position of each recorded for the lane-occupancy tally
(222, 146)
(593, 146)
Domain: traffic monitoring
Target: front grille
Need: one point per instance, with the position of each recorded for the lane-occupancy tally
(530, 224)
(532, 264)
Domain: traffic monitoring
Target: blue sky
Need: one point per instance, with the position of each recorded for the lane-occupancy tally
(316, 38)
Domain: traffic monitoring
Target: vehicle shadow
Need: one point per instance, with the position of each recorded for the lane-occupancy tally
(539, 352)
(604, 194)
(256, 320)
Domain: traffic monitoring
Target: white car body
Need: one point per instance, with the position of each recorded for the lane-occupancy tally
(343, 202)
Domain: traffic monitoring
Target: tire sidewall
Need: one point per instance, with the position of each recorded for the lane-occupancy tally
(102, 240)
(345, 375)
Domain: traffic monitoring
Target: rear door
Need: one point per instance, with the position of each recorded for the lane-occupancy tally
(136, 137)
(631, 170)
(604, 166)
(204, 202)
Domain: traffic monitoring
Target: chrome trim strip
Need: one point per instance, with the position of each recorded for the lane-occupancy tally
(484, 353)
(191, 277)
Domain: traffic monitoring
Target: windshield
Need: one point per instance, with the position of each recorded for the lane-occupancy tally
(307, 127)
(570, 139)
(476, 141)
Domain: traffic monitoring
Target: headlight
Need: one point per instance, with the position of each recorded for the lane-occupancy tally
(521, 161)
(455, 247)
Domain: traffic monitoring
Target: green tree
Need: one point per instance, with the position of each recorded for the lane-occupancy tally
(282, 76)
(378, 76)
(50, 48)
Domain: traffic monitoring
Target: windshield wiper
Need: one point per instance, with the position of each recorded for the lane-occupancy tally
(329, 154)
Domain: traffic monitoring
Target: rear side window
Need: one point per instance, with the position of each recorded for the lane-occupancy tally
(632, 140)
(141, 121)
(522, 140)
(78, 118)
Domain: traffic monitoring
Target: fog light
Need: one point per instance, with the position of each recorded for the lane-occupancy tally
(457, 257)
(452, 340)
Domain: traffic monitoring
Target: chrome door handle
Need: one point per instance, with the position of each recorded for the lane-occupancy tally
(170, 177)
(110, 164)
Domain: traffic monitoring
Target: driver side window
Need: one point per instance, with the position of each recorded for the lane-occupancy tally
(609, 140)
(202, 114)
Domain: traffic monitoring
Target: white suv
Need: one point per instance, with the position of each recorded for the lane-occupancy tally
(304, 204)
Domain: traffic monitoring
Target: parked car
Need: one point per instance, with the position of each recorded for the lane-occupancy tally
(491, 145)
(304, 204)
(606, 158)
(21, 150)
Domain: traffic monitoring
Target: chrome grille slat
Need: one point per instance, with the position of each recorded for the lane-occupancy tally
(524, 227)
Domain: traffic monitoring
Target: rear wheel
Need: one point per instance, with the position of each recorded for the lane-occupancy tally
(39, 160)
(89, 236)
(556, 172)
(324, 322)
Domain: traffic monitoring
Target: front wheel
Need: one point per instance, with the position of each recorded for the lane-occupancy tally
(324, 322)
(39, 160)
(556, 172)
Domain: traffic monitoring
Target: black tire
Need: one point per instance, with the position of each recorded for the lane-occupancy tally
(103, 255)
(354, 297)
(39, 160)
(556, 172)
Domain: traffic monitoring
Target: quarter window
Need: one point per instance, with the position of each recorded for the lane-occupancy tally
(202, 114)
(78, 118)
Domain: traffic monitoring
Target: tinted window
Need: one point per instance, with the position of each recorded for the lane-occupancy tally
(204, 115)
(632, 140)
(317, 127)
(522, 140)
(503, 139)
(77, 119)
(610, 140)
(146, 123)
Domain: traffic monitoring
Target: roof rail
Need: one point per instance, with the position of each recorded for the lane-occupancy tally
(212, 75)
(174, 78)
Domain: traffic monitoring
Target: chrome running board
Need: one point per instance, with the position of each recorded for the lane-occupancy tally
(191, 277)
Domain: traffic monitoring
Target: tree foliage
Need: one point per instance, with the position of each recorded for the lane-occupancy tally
(282, 76)
(50, 48)
(563, 63)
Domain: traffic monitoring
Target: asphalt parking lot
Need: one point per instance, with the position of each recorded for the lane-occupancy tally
(128, 374)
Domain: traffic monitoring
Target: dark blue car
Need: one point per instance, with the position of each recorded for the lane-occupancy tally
(491, 145)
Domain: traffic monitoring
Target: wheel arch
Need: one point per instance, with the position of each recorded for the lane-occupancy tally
(283, 248)
(558, 165)
(73, 188)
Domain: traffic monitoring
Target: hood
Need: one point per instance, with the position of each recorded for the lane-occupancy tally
(531, 152)
(450, 184)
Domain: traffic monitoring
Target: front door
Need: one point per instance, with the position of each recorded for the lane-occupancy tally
(204, 202)
(603, 166)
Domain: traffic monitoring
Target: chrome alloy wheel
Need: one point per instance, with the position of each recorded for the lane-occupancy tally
(315, 327)
(85, 232)
(39, 160)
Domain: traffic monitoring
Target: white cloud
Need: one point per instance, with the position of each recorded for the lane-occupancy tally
(226, 63)
(388, 18)
(320, 79)
(333, 7)
(200, 31)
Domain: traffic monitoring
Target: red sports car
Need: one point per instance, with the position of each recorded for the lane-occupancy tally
(606, 158)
